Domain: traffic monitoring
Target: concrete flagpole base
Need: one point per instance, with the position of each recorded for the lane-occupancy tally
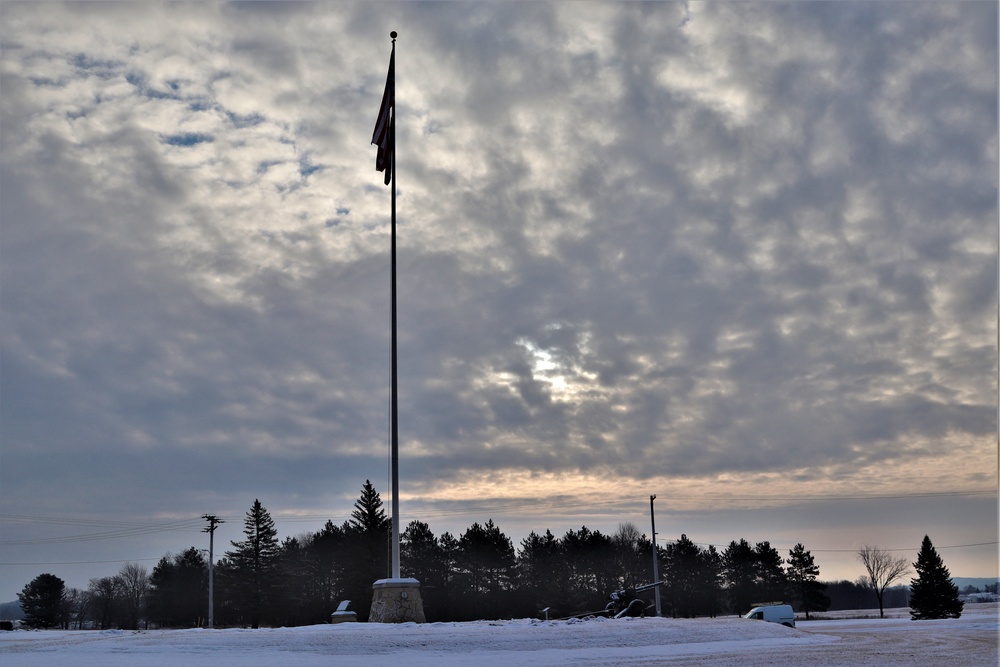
(396, 601)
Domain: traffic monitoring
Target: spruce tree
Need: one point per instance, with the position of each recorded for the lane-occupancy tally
(366, 549)
(932, 593)
(368, 516)
(808, 593)
(253, 561)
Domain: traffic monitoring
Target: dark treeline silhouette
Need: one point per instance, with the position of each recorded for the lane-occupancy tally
(478, 575)
(859, 594)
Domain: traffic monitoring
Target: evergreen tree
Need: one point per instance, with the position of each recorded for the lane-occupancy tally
(368, 515)
(932, 593)
(693, 577)
(541, 574)
(449, 549)
(421, 557)
(253, 563)
(682, 574)
(710, 582)
(486, 571)
(419, 554)
(43, 601)
(739, 565)
(366, 549)
(327, 555)
(178, 590)
(293, 602)
(808, 593)
(590, 565)
(769, 575)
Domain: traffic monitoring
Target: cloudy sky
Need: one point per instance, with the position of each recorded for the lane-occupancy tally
(742, 256)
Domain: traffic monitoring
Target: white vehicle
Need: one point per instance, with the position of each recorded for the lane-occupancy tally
(773, 613)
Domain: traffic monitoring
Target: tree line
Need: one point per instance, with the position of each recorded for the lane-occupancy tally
(478, 575)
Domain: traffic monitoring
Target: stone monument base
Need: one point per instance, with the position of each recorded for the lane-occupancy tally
(396, 601)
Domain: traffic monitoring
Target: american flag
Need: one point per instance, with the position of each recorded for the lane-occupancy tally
(384, 130)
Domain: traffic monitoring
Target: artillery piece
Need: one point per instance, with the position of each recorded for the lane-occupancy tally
(625, 602)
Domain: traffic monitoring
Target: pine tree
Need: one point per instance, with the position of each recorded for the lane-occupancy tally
(739, 564)
(327, 552)
(541, 573)
(769, 576)
(178, 595)
(486, 570)
(682, 571)
(43, 601)
(590, 565)
(932, 593)
(808, 593)
(709, 582)
(253, 561)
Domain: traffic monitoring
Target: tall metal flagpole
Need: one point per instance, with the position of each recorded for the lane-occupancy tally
(394, 397)
(394, 600)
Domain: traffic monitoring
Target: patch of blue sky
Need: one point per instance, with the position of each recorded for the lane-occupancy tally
(104, 69)
(141, 82)
(262, 167)
(187, 139)
(244, 120)
(306, 168)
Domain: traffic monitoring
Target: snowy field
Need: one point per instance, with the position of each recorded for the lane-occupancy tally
(836, 641)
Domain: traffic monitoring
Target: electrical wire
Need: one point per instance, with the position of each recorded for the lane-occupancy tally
(125, 529)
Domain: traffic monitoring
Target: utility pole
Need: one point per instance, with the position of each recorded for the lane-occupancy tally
(213, 522)
(656, 564)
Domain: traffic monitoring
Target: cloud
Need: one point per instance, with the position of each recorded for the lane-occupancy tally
(641, 241)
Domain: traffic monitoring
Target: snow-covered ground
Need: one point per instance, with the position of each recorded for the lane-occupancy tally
(835, 641)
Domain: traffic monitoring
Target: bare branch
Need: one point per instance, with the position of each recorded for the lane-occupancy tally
(883, 569)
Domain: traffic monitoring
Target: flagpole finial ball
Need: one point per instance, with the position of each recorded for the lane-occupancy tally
(393, 34)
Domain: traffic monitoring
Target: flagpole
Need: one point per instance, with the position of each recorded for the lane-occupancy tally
(394, 395)
(394, 599)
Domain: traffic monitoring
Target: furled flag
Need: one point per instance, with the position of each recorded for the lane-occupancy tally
(384, 130)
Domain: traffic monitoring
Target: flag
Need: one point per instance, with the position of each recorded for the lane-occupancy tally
(383, 136)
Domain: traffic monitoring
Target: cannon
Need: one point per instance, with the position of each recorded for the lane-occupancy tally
(625, 602)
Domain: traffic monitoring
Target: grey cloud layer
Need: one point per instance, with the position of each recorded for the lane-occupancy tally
(634, 238)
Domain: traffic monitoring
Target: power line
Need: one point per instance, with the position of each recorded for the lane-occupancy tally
(540, 506)
(851, 551)
(134, 530)
(701, 544)
(126, 529)
(85, 562)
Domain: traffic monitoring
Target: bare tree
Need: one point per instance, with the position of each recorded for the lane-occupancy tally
(104, 595)
(630, 555)
(883, 569)
(133, 582)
